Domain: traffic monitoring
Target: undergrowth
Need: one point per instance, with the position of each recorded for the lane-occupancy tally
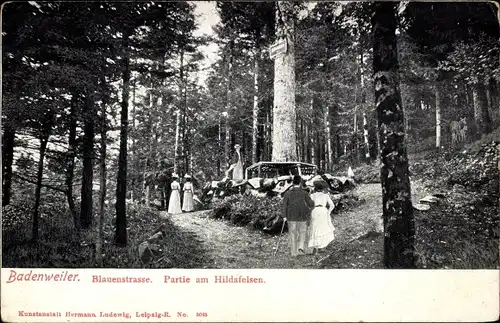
(59, 245)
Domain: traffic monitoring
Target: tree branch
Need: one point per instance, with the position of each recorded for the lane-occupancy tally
(43, 185)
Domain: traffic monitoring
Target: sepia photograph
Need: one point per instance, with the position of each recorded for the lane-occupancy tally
(250, 135)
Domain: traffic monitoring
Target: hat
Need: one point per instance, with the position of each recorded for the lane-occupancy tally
(174, 175)
(187, 176)
(320, 185)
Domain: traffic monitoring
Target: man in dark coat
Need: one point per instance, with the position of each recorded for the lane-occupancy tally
(297, 206)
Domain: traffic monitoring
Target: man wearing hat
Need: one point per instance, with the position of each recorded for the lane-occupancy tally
(188, 202)
(174, 204)
(297, 205)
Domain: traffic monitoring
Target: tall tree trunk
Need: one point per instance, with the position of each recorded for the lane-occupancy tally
(70, 162)
(185, 139)
(176, 146)
(482, 117)
(43, 146)
(302, 140)
(102, 171)
(328, 139)
(255, 111)
(227, 109)
(365, 135)
(483, 106)
(268, 136)
(86, 213)
(476, 103)
(121, 182)
(307, 143)
(134, 145)
(153, 144)
(437, 90)
(399, 225)
(312, 144)
(7, 160)
(219, 148)
(284, 87)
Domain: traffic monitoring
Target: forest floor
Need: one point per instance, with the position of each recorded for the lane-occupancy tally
(357, 241)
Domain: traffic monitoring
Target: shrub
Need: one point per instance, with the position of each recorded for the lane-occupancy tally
(247, 210)
(369, 173)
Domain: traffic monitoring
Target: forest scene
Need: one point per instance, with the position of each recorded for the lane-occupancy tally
(105, 105)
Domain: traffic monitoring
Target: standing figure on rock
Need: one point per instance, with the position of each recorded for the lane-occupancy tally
(236, 165)
(174, 204)
(188, 202)
(321, 228)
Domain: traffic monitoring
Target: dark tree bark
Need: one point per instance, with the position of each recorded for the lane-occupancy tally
(399, 226)
(7, 159)
(102, 168)
(70, 162)
(121, 182)
(86, 212)
(485, 125)
(43, 147)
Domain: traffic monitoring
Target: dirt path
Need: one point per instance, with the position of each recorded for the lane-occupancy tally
(229, 246)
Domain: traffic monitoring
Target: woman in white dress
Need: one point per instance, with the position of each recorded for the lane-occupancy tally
(321, 228)
(174, 204)
(187, 201)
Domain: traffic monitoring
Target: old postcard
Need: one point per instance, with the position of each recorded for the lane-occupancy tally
(202, 161)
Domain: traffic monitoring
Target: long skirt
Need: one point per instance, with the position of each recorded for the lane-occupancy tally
(188, 202)
(174, 204)
(321, 229)
(298, 237)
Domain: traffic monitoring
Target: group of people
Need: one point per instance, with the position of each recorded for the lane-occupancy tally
(174, 204)
(308, 215)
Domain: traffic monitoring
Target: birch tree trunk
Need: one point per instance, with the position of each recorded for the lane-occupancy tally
(438, 116)
(284, 87)
(399, 225)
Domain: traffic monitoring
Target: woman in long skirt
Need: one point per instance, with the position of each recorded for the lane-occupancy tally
(174, 204)
(188, 202)
(321, 230)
